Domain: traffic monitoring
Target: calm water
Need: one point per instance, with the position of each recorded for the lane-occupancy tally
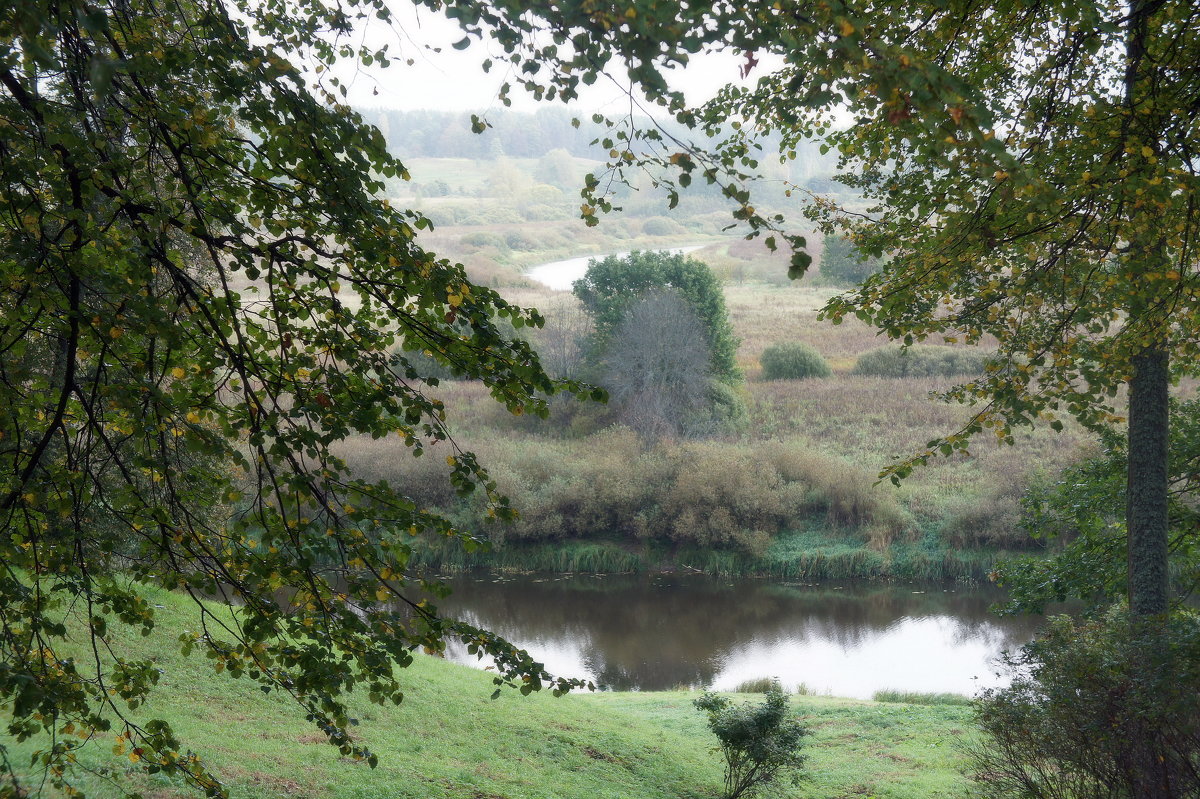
(561, 275)
(666, 631)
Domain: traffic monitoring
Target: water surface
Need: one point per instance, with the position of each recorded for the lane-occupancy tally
(660, 632)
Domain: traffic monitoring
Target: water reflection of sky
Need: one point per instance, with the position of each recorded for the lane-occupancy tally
(656, 633)
(913, 654)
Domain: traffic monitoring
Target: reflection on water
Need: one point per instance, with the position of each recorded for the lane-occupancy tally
(667, 631)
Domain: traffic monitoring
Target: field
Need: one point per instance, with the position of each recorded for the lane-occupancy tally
(448, 739)
(800, 464)
(825, 439)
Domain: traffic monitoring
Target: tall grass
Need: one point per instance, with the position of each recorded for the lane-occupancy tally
(571, 556)
(759, 685)
(918, 698)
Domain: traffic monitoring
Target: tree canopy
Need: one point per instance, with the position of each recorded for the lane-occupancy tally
(612, 286)
(842, 264)
(201, 295)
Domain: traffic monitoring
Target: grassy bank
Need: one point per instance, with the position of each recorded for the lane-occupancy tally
(449, 740)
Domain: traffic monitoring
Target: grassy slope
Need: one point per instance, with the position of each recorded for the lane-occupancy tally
(449, 740)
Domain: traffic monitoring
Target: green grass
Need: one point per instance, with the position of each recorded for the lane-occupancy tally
(448, 739)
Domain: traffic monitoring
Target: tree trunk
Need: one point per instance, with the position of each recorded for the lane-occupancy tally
(1146, 523)
(1146, 488)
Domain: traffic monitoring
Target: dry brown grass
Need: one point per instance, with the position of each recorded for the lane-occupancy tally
(832, 435)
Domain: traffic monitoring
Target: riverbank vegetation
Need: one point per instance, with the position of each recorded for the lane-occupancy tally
(786, 483)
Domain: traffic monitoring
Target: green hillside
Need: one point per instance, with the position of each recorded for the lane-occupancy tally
(448, 739)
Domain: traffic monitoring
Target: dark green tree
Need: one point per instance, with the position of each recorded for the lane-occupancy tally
(842, 264)
(1081, 515)
(613, 285)
(199, 296)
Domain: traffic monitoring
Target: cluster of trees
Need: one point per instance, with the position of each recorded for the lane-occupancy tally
(424, 133)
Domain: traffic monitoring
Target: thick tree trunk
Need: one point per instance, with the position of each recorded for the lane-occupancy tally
(1146, 496)
(1146, 523)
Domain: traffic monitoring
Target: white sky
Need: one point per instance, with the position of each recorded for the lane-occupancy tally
(454, 79)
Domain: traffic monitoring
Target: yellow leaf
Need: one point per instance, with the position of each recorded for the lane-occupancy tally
(846, 27)
(178, 373)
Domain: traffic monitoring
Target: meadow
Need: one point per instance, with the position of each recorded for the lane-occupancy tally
(791, 489)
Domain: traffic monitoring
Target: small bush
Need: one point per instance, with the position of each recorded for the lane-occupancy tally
(760, 742)
(921, 361)
(792, 361)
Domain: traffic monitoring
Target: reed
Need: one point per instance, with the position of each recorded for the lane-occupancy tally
(919, 698)
(570, 556)
(758, 685)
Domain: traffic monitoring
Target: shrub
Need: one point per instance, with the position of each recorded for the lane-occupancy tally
(1095, 710)
(760, 742)
(440, 216)
(661, 226)
(519, 240)
(921, 361)
(481, 238)
(727, 409)
(540, 212)
(792, 361)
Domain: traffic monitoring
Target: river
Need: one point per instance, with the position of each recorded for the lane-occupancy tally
(561, 275)
(661, 632)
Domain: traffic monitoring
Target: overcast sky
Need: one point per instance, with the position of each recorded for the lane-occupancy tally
(454, 79)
